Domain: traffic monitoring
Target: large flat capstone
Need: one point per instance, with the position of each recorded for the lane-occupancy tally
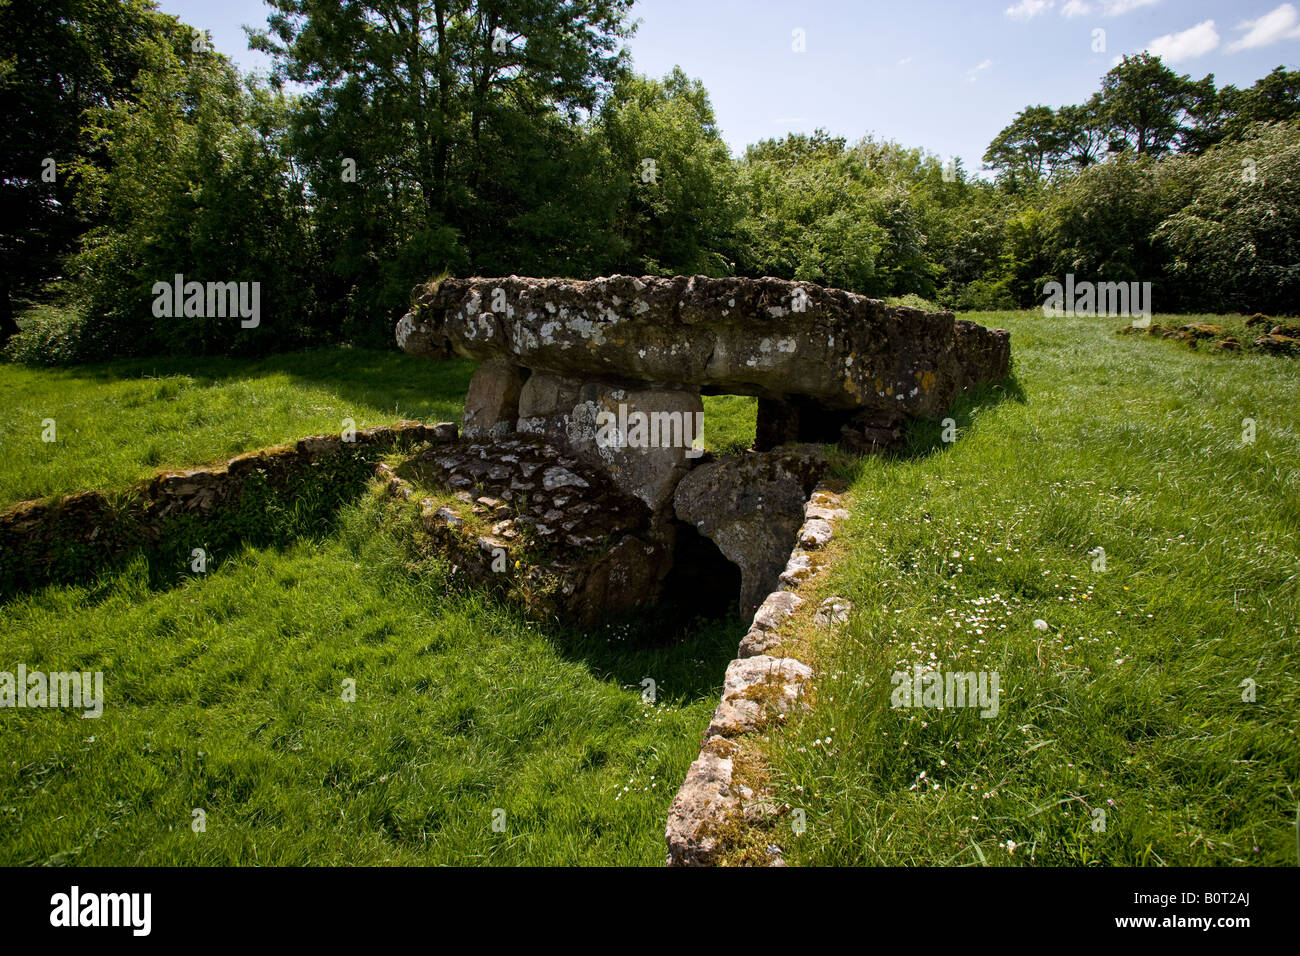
(768, 337)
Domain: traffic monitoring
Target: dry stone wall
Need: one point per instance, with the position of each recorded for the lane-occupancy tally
(79, 536)
(761, 686)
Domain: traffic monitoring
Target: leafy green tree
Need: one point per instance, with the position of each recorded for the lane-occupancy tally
(1029, 145)
(195, 184)
(58, 59)
(1274, 98)
(674, 175)
(1099, 223)
(1235, 244)
(803, 202)
(1084, 132)
(455, 114)
(1147, 103)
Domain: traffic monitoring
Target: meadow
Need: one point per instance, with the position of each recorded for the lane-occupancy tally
(476, 736)
(1142, 501)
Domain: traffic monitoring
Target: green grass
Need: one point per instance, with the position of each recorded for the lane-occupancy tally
(226, 695)
(1131, 701)
(121, 422)
(729, 423)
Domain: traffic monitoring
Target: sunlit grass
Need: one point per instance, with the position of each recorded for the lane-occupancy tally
(122, 421)
(1130, 704)
(227, 695)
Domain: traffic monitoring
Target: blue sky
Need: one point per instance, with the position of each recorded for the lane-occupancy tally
(946, 75)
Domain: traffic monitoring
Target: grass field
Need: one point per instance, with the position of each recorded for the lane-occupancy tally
(120, 422)
(225, 694)
(1131, 701)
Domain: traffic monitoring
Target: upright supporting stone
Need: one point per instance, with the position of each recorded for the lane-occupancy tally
(546, 405)
(646, 438)
(751, 506)
(492, 402)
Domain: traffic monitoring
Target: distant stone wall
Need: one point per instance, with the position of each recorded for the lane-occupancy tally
(76, 537)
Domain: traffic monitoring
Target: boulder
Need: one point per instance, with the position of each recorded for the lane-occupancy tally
(641, 437)
(751, 506)
(766, 337)
(492, 402)
(1277, 344)
(547, 404)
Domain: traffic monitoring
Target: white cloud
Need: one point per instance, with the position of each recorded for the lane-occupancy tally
(1028, 9)
(1281, 24)
(1176, 47)
(904, 61)
(973, 74)
(1117, 8)
(1107, 8)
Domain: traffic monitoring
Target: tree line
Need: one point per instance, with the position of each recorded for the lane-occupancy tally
(397, 140)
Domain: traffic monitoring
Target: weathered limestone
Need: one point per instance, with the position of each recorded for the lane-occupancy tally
(766, 337)
(834, 610)
(704, 801)
(610, 371)
(492, 402)
(761, 685)
(613, 369)
(755, 691)
(751, 506)
(646, 444)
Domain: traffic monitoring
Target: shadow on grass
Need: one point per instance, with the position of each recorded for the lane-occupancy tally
(688, 667)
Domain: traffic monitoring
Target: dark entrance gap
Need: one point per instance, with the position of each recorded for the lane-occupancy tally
(702, 584)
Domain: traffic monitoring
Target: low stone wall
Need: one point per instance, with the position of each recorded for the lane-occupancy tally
(79, 536)
(758, 689)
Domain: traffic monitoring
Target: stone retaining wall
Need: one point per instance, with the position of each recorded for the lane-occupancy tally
(78, 536)
(758, 689)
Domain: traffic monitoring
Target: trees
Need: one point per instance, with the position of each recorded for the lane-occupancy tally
(58, 59)
(1030, 145)
(1147, 104)
(456, 114)
(1085, 133)
(1234, 243)
(496, 137)
(194, 183)
(803, 214)
(1274, 98)
(672, 177)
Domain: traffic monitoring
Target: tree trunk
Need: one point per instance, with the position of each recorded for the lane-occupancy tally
(8, 327)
